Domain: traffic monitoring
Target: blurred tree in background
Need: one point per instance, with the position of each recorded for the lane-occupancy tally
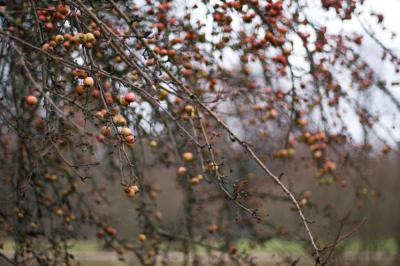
(249, 119)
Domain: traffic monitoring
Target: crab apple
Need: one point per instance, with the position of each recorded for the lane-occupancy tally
(59, 212)
(187, 72)
(100, 138)
(111, 231)
(163, 52)
(187, 156)
(51, 178)
(80, 37)
(163, 94)
(96, 33)
(67, 45)
(130, 97)
(119, 120)
(181, 170)
(301, 121)
(153, 144)
(59, 39)
(47, 47)
(307, 194)
(178, 101)
(122, 101)
(80, 89)
(189, 109)
(134, 77)
(95, 93)
(105, 131)
(130, 139)
(317, 154)
(88, 81)
(31, 100)
(303, 202)
(107, 84)
(195, 181)
(158, 216)
(101, 114)
(42, 18)
(171, 53)
(100, 233)
(233, 250)
(131, 190)
(63, 9)
(212, 167)
(39, 123)
(90, 37)
(213, 228)
(142, 237)
(291, 152)
(109, 97)
(126, 131)
(53, 43)
(49, 25)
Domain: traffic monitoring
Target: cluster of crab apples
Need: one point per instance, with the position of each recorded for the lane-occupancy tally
(119, 121)
(49, 17)
(182, 170)
(68, 40)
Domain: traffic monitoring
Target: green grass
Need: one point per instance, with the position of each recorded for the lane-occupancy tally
(82, 245)
(273, 246)
(86, 246)
(276, 246)
(382, 245)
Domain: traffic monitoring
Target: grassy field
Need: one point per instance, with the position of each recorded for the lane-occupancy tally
(272, 252)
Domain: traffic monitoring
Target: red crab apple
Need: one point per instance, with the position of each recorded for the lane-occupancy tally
(130, 139)
(213, 228)
(105, 131)
(100, 138)
(130, 97)
(95, 93)
(31, 100)
(307, 194)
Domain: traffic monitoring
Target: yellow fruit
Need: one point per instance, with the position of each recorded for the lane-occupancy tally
(126, 131)
(80, 37)
(142, 237)
(119, 120)
(187, 156)
(153, 144)
(189, 109)
(163, 94)
(213, 167)
(181, 170)
(131, 191)
(88, 81)
(195, 180)
(59, 39)
(90, 37)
